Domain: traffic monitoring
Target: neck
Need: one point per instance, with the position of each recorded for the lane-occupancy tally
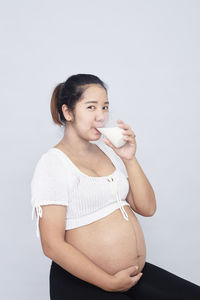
(74, 144)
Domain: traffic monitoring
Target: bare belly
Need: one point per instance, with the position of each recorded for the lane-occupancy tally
(112, 243)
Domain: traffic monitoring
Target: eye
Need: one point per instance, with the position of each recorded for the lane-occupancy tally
(90, 106)
(94, 106)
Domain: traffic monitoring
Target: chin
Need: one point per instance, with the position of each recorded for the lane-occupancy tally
(95, 138)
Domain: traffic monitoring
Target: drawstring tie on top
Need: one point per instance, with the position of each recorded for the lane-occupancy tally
(116, 193)
(38, 214)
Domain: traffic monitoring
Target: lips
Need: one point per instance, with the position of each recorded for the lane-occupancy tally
(96, 130)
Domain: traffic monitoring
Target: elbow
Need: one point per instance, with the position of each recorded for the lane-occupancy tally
(47, 254)
(153, 206)
(47, 250)
(50, 250)
(152, 211)
(146, 213)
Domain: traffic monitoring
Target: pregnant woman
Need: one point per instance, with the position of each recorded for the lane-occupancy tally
(85, 193)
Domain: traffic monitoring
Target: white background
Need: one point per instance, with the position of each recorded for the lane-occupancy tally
(147, 52)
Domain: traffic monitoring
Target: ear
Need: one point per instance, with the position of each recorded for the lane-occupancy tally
(67, 113)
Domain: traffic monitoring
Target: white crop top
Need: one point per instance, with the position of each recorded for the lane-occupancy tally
(57, 180)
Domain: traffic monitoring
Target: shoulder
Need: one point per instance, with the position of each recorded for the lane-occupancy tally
(49, 162)
(52, 166)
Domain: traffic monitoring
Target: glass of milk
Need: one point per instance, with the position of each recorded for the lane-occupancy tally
(113, 132)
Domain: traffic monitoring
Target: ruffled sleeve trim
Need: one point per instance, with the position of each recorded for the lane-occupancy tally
(38, 210)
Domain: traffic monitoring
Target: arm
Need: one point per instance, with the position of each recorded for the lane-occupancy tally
(75, 262)
(141, 196)
(52, 231)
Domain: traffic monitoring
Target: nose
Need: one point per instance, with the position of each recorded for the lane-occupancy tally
(100, 118)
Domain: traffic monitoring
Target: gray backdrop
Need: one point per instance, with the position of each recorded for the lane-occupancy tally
(148, 54)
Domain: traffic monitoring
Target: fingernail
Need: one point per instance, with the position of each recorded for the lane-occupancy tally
(141, 274)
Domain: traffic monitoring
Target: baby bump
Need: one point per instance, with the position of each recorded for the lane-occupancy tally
(111, 242)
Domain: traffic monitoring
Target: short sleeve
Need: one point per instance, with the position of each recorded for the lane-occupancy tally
(50, 184)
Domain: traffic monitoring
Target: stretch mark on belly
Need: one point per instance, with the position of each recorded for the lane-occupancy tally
(136, 242)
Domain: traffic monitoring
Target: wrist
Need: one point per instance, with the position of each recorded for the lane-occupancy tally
(112, 286)
(109, 286)
(129, 161)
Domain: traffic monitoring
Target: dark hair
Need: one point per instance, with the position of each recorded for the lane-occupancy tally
(69, 92)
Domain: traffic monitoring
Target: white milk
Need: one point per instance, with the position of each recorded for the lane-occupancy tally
(114, 134)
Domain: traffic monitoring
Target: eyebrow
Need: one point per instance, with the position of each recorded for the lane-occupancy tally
(106, 102)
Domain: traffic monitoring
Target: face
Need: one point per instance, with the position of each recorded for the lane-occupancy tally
(91, 111)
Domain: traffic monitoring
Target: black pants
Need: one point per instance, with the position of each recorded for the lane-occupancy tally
(156, 284)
